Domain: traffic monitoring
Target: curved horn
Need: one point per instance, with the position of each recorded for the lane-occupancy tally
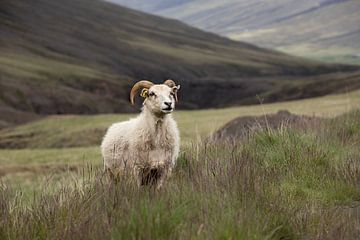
(170, 83)
(137, 86)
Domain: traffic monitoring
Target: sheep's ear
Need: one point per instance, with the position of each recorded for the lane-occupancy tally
(144, 93)
(175, 90)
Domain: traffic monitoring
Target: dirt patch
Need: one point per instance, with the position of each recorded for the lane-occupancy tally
(48, 168)
(242, 126)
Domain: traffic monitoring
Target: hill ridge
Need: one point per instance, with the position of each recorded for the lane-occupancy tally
(82, 57)
(293, 26)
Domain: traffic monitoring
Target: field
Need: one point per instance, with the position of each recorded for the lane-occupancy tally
(65, 64)
(275, 184)
(83, 131)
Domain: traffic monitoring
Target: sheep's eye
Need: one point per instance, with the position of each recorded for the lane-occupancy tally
(152, 94)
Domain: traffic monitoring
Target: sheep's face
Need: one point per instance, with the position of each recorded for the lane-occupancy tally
(160, 99)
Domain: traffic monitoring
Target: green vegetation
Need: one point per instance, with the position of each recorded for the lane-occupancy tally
(80, 131)
(276, 184)
(37, 67)
(32, 157)
(80, 56)
(331, 54)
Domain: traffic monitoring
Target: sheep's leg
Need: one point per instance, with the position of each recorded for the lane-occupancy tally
(138, 175)
(163, 176)
(109, 174)
(160, 183)
(113, 174)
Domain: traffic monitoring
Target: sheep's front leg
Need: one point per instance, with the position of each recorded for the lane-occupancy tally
(113, 174)
(138, 175)
(160, 182)
(165, 173)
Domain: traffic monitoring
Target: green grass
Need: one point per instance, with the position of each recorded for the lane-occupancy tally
(345, 59)
(32, 170)
(200, 57)
(50, 156)
(330, 54)
(275, 184)
(21, 65)
(79, 131)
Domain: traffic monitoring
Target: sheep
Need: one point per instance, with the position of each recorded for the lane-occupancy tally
(146, 146)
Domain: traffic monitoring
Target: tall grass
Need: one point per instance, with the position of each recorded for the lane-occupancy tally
(276, 184)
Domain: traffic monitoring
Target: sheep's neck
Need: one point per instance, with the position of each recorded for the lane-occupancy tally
(155, 121)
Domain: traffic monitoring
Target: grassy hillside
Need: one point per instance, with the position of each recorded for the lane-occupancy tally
(289, 183)
(82, 131)
(50, 154)
(323, 29)
(82, 56)
(280, 184)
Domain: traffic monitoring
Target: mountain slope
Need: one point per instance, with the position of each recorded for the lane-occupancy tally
(82, 56)
(326, 27)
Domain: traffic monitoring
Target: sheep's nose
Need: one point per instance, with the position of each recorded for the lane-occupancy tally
(168, 104)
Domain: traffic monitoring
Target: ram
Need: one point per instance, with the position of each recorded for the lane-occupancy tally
(148, 145)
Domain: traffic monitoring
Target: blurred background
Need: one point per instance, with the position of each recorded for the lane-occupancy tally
(326, 30)
(82, 56)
